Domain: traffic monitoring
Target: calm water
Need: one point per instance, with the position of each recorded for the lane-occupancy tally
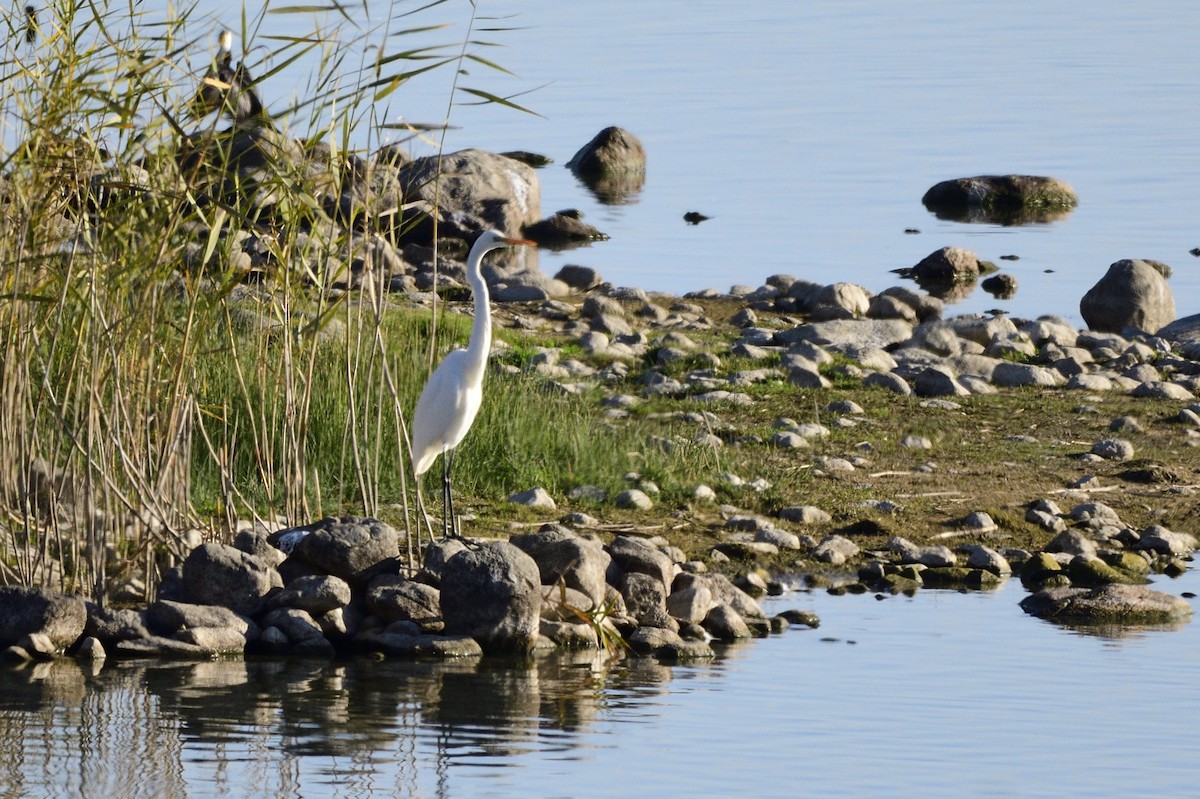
(809, 132)
(942, 695)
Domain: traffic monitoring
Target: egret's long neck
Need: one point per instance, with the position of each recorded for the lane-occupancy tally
(481, 328)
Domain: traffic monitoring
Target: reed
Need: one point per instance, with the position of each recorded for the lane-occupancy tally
(152, 383)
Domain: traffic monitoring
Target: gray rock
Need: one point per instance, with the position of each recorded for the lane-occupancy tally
(1107, 604)
(888, 381)
(612, 164)
(835, 549)
(477, 191)
(725, 624)
(1072, 542)
(159, 647)
(630, 554)
(1132, 294)
(1113, 449)
(1008, 375)
(349, 547)
(440, 646)
(804, 514)
(165, 617)
(298, 625)
(908, 552)
(690, 604)
(91, 649)
(215, 640)
(981, 557)
(537, 498)
(944, 266)
(216, 574)
(394, 598)
(24, 611)
(634, 499)
(645, 600)
(1157, 389)
(581, 563)
(492, 593)
(110, 625)
(938, 381)
(723, 592)
(1157, 538)
(316, 594)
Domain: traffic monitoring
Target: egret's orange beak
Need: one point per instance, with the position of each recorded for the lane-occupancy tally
(525, 242)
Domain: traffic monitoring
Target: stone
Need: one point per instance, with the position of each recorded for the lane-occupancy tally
(724, 624)
(349, 547)
(165, 617)
(1107, 604)
(24, 611)
(537, 498)
(612, 165)
(395, 598)
(645, 600)
(217, 574)
(580, 563)
(934, 556)
(1132, 294)
(492, 593)
(690, 604)
(1113, 449)
(478, 191)
(1001, 199)
(215, 640)
(835, 550)
(630, 554)
(316, 594)
(804, 514)
(1159, 539)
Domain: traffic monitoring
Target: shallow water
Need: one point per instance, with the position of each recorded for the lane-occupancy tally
(943, 694)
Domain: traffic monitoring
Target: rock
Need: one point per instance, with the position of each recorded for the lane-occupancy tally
(158, 647)
(690, 604)
(804, 514)
(298, 625)
(581, 563)
(724, 623)
(1002, 199)
(1008, 375)
(441, 646)
(835, 550)
(612, 165)
(394, 598)
(1113, 449)
(946, 266)
(1157, 538)
(907, 552)
(476, 191)
(563, 230)
(1107, 604)
(215, 640)
(631, 554)
(349, 547)
(645, 600)
(25, 611)
(492, 593)
(91, 649)
(316, 594)
(981, 557)
(537, 498)
(217, 574)
(165, 617)
(1132, 294)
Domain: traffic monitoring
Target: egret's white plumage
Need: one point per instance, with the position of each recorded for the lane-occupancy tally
(452, 396)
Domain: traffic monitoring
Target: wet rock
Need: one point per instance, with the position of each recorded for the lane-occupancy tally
(835, 550)
(159, 647)
(215, 640)
(348, 547)
(25, 611)
(217, 574)
(1085, 571)
(690, 604)
(492, 593)
(1132, 294)
(91, 649)
(981, 557)
(1107, 604)
(725, 624)
(440, 646)
(612, 165)
(563, 230)
(946, 266)
(1002, 199)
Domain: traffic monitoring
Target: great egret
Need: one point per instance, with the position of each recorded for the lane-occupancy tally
(451, 399)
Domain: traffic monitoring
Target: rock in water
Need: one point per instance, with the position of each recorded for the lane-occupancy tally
(25, 611)
(492, 593)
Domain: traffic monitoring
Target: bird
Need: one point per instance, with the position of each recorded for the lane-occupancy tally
(31, 25)
(453, 394)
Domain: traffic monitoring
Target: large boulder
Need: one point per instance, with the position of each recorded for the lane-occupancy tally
(475, 191)
(24, 611)
(581, 563)
(1003, 199)
(349, 547)
(1132, 294)
(492, 593)
(216, 574)
(1112, 604)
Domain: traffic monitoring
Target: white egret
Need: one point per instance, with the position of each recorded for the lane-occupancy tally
(451, 399)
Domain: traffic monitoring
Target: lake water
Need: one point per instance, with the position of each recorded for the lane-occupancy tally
(943, 694)
(810, 131)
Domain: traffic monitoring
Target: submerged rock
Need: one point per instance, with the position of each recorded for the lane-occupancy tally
(1107, 604)
(1001, 199)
